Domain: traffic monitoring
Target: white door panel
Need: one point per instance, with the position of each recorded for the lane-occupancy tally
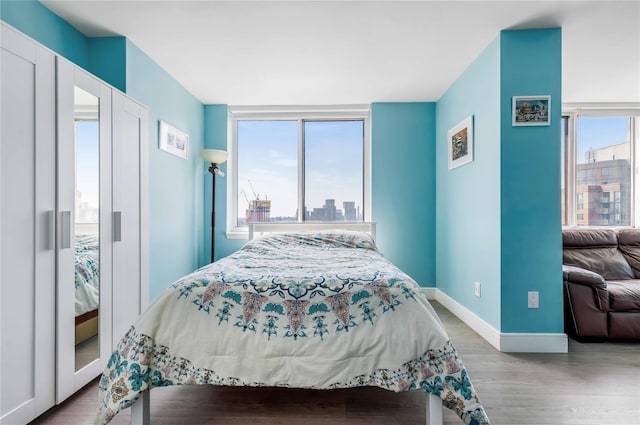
(27, 273)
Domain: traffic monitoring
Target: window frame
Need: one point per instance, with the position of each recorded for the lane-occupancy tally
(571, 113)
(299, 114)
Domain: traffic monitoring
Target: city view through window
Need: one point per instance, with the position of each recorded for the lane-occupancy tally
(88, 172)
(269, 170)
(602, 171)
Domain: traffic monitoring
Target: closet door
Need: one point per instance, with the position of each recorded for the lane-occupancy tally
(130, 200)
(84, 239)
(27, 203)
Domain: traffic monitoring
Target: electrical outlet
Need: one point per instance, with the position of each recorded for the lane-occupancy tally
(476, 289)
(533, 299)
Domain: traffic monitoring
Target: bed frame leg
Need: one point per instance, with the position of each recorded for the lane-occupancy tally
(140, 410)
(434, 410)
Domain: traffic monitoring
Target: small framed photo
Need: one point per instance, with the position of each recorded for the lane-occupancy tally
(460, 143)
(174, 141)
(531, 110)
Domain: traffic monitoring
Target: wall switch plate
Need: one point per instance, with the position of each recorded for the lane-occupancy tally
(533, 299)
(476, 289)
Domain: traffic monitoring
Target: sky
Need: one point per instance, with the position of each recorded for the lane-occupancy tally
(88, 161)
(598, 132)
(268, 158)
(594, 133)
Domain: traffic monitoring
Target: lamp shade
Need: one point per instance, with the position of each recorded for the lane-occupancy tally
(214, 156)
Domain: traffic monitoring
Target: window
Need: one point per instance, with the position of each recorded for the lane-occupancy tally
(333, 168)
(267, 171)
(597, 152)
(87, 205)
(580, 202)
(564, 128)
(309, 164)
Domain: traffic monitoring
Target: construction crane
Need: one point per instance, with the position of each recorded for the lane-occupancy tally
(245, 197)
(255, 195)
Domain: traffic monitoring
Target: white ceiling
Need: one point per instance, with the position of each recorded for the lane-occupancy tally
(348, 52)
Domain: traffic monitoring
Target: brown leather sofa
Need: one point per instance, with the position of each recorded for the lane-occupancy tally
(601, 274)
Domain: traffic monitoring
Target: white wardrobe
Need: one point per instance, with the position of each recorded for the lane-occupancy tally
(73, 225)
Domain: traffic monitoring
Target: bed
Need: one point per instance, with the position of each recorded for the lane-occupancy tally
(87, 286)
(320, 309)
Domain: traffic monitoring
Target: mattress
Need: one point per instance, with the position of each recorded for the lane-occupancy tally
(318, 310)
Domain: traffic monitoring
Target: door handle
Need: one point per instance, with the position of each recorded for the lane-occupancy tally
(117, 226)
(65, 229)
(50, 219)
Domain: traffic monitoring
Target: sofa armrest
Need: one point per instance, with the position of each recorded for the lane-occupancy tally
(573, 275)
(582, 276)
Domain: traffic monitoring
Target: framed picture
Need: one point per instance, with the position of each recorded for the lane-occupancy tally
(531, 110)
(460, 143)
(174, 141)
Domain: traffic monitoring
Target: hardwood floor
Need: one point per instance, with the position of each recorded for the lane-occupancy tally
(87, 351)
(594, 384)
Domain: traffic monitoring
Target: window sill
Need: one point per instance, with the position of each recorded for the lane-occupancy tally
(238, 234)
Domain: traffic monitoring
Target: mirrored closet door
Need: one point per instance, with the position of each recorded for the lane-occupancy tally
(84, 228)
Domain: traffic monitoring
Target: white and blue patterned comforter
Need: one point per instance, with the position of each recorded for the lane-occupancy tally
(87, 274)
(322, 310)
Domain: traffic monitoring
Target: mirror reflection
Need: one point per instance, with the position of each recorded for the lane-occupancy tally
(86, 227)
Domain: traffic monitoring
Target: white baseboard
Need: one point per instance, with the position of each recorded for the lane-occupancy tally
(534, 343)
(504, 342)
(482, 328)
(430, 293)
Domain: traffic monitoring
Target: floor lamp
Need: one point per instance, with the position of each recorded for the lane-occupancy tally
(214, 157)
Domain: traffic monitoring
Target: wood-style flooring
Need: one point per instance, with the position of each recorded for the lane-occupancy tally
(87, 351)
(594, 384)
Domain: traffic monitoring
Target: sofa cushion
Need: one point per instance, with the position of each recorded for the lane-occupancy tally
(589, 238)
(624, 325)
(624, 295)
(595, 250)
(629, 245)
(607, 262)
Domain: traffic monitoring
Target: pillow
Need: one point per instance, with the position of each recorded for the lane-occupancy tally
(325, 238)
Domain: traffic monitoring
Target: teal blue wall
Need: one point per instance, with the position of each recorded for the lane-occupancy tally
(176, 190)
(47, 28)
(530, 192)
(108, 60)
(498, 218)
(403, 184)
(468, 197)
(102, 56)
(215, 136)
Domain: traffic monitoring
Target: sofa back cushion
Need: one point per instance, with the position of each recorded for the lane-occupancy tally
(629, 245)
(595, 250)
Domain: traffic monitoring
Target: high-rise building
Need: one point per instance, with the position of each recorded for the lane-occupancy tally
(328, 212)
(259, 210)
(603, 187)
(85, 212)
(350, 211)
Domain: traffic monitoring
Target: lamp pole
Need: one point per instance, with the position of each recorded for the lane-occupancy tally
(213, 169)
(214, 157)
